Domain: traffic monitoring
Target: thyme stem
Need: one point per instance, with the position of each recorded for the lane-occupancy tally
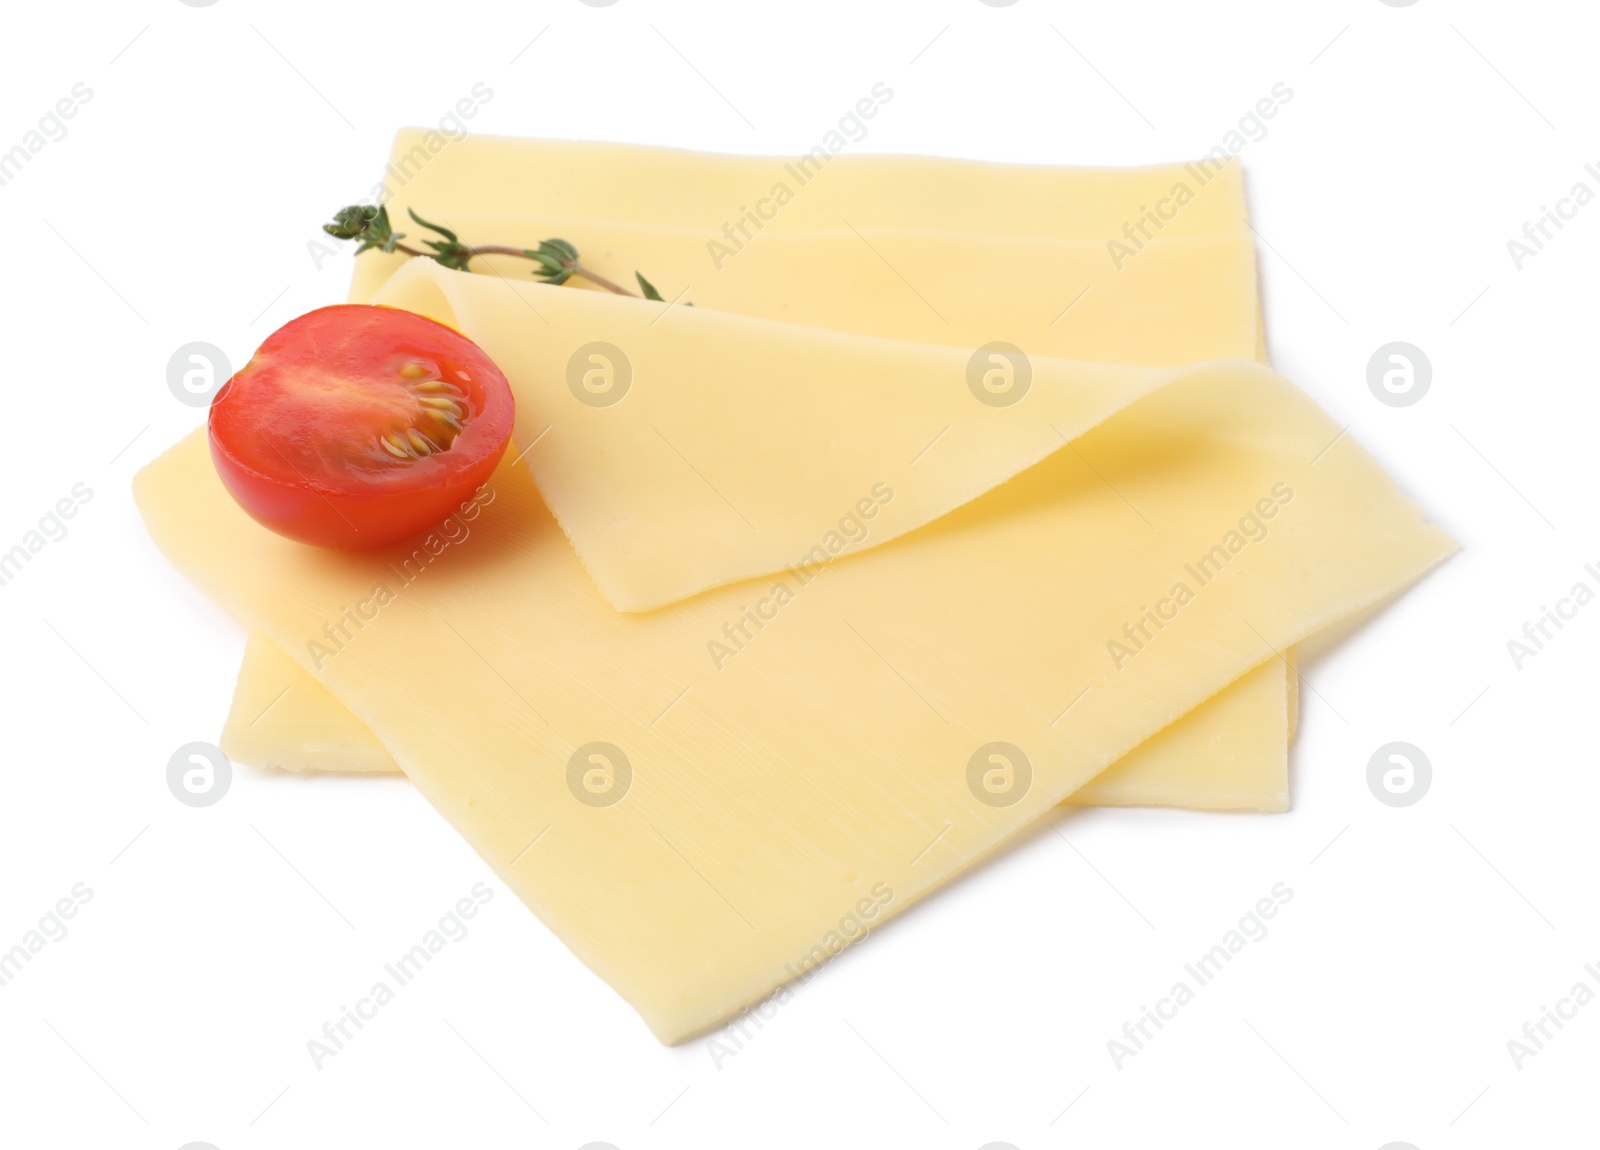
(557, 259)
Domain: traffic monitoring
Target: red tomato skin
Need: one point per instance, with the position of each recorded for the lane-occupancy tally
(343, 520)
(366, 508)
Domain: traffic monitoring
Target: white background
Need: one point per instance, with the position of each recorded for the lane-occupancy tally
(217, 942)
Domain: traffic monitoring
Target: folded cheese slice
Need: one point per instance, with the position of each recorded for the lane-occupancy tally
(683, 449)
(899, 710)
(986, 239)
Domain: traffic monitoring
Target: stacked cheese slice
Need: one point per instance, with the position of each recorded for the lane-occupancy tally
(927, 515)
(1185, 301)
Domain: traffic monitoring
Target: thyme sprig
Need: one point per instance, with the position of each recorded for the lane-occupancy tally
(556, 261)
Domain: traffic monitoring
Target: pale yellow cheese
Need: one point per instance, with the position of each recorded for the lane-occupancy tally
(687, 987)
(282, 717)
(1229, 753)
(1218, 274)
(906, 247)
(824, 769)
(741, 445)
(1004, 222)
(710, 194)
(1178, 301)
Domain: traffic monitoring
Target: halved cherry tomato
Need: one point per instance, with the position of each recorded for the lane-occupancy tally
(355, 426)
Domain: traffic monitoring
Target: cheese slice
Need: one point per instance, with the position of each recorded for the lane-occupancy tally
(721, 196)
(1228, 754)
(1178, 301)
(1184, 275)
(282, 717)
(687, 987)
(906, 247)
(1182, 299)
(981, 206)
(735, 446)
(843, 761)
(1226, 264)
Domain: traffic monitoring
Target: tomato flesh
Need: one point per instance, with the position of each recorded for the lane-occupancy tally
(355, 426)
